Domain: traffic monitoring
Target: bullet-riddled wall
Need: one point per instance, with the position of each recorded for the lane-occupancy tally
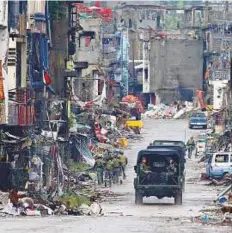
(176, 64)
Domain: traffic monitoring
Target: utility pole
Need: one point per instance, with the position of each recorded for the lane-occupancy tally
(230, 98)
(66, 100)
(133, 62)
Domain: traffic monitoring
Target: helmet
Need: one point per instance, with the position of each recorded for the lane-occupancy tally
(98, 156)
(116, 152)
(121, 152)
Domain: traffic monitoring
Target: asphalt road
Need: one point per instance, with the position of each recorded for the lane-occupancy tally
(121, 215)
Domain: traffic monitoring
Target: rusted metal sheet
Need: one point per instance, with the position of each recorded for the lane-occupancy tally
(2, 113)
(22, 25)
(2, 97)
(21, 112)
(13, 114)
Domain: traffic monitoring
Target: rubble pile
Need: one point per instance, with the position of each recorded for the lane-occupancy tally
(69, 204)
(163, 111)
(221, 211)
(57, 173)
(219, 214)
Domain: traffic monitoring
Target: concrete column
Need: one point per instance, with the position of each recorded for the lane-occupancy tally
(95, 84)
(23, 64)
(193, 17)
(206, 15)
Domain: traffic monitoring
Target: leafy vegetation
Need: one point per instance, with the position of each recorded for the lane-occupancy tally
(78, 167)
(57, 9)
(71, 121)
(72, 200)
(174, 21)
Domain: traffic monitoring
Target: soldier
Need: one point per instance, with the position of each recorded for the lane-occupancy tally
(108, 168)
(116, 168)
(146, 174)
(124, 162)
(190, 146)
(144, 168)
(99, 166)
(172, 168)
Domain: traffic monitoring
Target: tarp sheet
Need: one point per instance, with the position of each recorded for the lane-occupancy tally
(81, 144)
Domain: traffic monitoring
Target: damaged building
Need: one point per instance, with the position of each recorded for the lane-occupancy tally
(158, 72)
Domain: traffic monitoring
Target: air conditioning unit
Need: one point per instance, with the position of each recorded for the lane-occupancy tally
(12, 54)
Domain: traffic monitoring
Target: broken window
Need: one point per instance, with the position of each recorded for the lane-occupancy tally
(158, 21)
(130, 23)
(222, 158)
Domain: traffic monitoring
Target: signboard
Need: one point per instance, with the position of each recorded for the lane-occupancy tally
(221, 75)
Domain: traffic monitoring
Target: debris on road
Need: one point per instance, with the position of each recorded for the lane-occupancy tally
(174, 111)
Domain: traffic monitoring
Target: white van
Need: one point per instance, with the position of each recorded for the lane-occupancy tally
(219, 164)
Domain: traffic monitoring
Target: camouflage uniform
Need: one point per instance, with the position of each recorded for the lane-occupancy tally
(124, 162)
(116, 169)
(99, 165)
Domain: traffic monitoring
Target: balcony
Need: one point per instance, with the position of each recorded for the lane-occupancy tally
(20, 114)
(21, 110)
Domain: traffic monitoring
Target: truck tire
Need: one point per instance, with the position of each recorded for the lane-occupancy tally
(178, 198)
(138, 198)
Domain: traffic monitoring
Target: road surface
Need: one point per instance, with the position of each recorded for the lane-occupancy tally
(121, 215)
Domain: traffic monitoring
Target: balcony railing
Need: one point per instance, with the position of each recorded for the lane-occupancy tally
(21, 112)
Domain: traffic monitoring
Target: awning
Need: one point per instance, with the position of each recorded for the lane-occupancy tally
(140, 66)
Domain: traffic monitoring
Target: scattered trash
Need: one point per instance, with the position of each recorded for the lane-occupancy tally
(222, 200)
(165, 111)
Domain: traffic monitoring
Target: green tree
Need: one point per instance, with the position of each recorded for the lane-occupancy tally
(57, 9)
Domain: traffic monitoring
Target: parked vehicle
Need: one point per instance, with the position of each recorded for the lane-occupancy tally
(198, 120)
(219, 164)
(164, 175)
(168, 143)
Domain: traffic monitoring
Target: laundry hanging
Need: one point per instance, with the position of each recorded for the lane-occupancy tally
(87, 41)
(46, 78)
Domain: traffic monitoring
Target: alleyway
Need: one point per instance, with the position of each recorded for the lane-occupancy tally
(121, 215)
